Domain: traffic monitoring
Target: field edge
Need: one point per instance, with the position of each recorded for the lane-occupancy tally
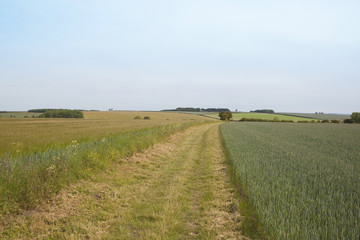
(250, 226)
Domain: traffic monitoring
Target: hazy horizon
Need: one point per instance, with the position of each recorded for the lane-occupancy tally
(287, 56)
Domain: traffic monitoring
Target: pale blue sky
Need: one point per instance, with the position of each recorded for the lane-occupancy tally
(294, 56)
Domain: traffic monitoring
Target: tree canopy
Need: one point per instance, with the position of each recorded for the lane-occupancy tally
(225, 115)
(355, 117)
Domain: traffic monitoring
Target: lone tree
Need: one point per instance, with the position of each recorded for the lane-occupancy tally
(355, 117)
(225, 115)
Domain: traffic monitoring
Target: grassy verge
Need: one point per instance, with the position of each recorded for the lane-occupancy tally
(250, 225)
(27, 180)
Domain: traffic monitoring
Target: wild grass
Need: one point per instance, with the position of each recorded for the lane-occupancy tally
(302, 179)
(26, 180)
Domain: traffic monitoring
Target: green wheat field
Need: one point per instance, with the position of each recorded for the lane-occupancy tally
(302, 179)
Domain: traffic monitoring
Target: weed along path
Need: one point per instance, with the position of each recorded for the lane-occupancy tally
(174, 190)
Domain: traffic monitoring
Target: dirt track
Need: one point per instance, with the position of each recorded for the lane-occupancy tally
(174, 190)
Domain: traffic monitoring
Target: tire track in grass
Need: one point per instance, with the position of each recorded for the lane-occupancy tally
(175, 190)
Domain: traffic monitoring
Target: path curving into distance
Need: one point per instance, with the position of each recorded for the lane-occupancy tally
(175, 190)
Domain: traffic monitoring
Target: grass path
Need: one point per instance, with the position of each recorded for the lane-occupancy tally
(175, 190)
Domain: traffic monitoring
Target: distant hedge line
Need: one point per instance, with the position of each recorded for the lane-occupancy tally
(62, 113)
(41, 110)
(262, 120)
(264, 111)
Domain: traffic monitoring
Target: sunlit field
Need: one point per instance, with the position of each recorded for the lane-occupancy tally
(22, 135)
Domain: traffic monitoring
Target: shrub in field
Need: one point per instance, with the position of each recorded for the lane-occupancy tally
(289, 121)
(137, 117)
(62, 113)
(348, 121)
(146, 118)
(325, 121)
(335, 121)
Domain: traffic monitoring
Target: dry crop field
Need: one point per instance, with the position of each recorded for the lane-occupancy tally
(29, 134)
(302, 179)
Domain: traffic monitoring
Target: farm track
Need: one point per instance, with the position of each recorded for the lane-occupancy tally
(174, 190)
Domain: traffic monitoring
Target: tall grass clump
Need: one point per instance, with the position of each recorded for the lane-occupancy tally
(302, 179)
(26, 180)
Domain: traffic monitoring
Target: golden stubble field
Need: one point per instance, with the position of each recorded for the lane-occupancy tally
(35, 134)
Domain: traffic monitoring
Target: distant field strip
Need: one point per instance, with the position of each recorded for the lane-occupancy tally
(176, 190)
(18, 114)
(303, 179)
(268, 116)
(318, 116)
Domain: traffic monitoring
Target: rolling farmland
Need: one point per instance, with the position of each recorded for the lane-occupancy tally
(119, 188)
(33, 134)
(303, 179)
(38, 157)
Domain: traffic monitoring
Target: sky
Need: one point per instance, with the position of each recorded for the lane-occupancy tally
(290, 56)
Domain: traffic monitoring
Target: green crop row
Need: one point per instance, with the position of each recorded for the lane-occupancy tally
(302, 179)
(26, 180)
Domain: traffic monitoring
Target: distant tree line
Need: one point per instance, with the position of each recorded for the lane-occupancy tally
(263, 111)
(41, 110)
(191, 109)
(62, 113)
